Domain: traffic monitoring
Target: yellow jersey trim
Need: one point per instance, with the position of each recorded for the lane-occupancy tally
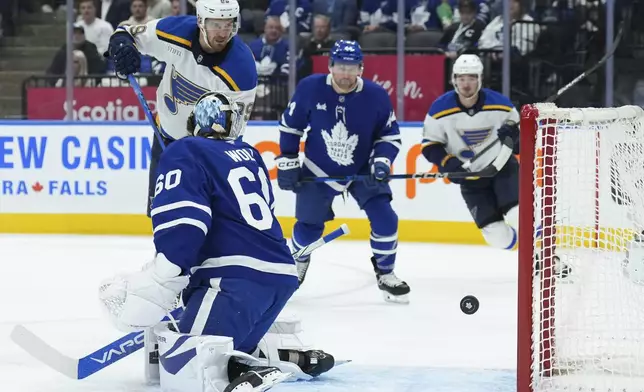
(174, 38)
(446, 112)
(229, 81)
(505, 108)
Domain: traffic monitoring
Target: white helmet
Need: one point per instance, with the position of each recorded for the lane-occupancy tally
(467, 64)
(217, 9)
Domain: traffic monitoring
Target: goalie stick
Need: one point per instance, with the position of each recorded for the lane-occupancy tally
(490, 171)
(80, 368)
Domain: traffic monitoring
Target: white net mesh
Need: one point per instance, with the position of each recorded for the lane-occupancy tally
(588, 326)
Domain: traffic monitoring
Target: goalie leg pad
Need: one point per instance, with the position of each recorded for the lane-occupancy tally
(192, 363)
(500, 235)
(285, 347)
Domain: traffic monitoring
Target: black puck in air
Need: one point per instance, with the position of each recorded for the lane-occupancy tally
(469, 304)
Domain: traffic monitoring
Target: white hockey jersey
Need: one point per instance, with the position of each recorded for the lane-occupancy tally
(190, 72)
(464, 132)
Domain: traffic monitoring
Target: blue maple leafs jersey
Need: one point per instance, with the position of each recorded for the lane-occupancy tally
(213, 213)
(346, 130)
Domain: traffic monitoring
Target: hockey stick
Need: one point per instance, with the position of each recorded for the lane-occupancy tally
(146, 108)
(607, 55)
(490, 171)
(80, 368)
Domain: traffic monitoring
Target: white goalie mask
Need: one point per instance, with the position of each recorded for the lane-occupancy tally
(467, 64)
(212, 14)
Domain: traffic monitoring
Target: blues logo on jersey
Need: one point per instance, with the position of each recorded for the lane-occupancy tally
(473, 138)
(183, 92)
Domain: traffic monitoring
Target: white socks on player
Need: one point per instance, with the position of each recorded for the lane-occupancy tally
(503, 234)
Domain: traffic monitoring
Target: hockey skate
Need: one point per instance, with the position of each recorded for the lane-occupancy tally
(393, 288)
(562, 270)
(302, 266)
(257, 379)
(312, 362)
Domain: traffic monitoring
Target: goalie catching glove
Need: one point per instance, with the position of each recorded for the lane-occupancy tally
(142, 299)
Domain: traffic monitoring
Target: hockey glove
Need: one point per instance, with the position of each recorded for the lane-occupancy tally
(452, 164)
(380, 169)
(127, 59)
(142, 299)
(510, 129)
(289, 172)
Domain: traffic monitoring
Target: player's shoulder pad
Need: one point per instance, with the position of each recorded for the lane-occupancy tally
(375, 90)
(238, 70)
(496, 101)
(178, 30)
(312, 81)
(445, 105)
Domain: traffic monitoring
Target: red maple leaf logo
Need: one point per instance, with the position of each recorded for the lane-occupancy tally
(37, 187)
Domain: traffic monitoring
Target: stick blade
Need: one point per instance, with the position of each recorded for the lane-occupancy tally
(43, 352)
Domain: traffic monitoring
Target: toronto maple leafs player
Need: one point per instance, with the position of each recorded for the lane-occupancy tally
(461, 123)
(216, 237)
(201, 53)
(353, 130)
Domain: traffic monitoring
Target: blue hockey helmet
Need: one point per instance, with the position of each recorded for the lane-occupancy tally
(347, 52)
(215, 115)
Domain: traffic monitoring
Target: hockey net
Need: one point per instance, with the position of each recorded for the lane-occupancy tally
(581, 270)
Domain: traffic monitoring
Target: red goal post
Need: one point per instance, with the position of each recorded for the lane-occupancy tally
(581, 198)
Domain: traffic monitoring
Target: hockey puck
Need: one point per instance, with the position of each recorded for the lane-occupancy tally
(469, 304)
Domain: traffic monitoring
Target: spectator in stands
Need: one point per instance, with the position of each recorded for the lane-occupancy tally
(270, 50)
(464, 35)
(523, 37)
(80, 70)
(419, 15)
(97, 31)
(370, 15)
(279, 8)
(114, 11)
(7, 9)
(320, 40)
(482, 11)
(158, 9)
(343, 14)
(139, 10)
(176, 8)
(95, 63)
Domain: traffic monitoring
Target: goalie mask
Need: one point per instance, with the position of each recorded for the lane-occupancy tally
(215, 116)
(467, 75)
(218, 21)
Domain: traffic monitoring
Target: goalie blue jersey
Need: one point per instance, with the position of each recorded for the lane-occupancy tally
(213, 213)
(346, 130)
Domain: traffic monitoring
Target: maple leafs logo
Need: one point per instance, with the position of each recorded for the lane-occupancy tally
(339, 145)
(37, 187)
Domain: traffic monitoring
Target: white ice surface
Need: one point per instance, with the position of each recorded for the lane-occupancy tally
(49, 284)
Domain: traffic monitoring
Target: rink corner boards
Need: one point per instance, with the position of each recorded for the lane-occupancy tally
(132, 224)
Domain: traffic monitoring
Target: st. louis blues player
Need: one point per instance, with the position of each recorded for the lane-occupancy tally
(201, 53)
(217, 238)
(459, 125)
(353, 130)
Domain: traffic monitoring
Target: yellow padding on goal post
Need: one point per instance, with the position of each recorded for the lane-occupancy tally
(130, 224)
